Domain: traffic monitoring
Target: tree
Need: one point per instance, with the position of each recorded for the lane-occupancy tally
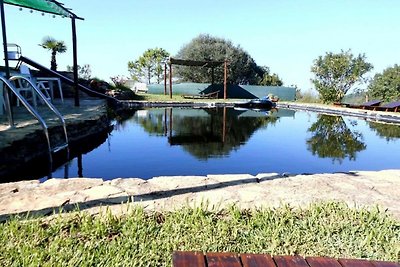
(337, 73)
(55, 47)
(270, 79)
(386, 85)
(242, 68)
(148, 65)
(84, 72)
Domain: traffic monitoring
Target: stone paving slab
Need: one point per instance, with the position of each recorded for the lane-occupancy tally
(25, 123)
(357, 189)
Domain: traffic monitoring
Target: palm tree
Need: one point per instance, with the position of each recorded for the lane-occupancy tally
(55, 47)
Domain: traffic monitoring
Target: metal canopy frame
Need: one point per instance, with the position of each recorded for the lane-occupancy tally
(46, 6)
(194, 63)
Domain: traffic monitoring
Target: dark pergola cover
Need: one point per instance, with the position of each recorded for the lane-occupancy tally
(184, 62)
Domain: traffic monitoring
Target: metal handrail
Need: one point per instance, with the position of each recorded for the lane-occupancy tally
(7, 101)
(29, 108)
(48, 103)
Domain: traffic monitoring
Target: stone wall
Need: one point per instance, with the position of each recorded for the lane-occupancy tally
(33, 145)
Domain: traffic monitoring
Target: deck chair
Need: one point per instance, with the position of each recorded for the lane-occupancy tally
(372, 103)
(367, 105)
(23, 87)
(211, 95)
(392, 106)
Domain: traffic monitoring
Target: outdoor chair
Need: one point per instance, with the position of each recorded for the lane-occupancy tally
(23, 87)
(44, 84)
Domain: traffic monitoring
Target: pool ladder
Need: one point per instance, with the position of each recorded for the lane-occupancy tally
(51, 149)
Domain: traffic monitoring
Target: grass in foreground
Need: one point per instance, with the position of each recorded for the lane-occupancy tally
(148, 239)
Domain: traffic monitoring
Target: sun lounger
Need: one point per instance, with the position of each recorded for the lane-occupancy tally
(392, 106)
(203, 96)
(367, 105)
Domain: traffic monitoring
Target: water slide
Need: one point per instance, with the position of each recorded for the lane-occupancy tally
(65, 79)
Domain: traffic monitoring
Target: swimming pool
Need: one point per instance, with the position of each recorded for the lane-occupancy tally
(188, 141)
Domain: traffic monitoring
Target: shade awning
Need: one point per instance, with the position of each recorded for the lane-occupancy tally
(47, 6)
(185, 62)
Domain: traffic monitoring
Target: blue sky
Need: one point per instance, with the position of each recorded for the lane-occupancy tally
(285, 35)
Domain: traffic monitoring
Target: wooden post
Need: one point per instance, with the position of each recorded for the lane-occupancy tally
(75, 59)
(165, 78)
(6, 90)
(225, 77)
(170, 80)
(3, 28)
(212, 75)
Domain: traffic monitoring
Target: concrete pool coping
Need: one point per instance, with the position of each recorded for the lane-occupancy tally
(357, 189)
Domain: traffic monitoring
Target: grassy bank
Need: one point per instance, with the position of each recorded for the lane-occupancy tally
(148, 239)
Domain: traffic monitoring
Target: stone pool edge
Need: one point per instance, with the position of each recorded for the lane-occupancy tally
(373, 115)
(357, 189)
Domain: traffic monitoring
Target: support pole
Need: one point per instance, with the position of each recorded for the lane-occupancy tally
(75, 62)
(165, 122)
(224, 125)
(165, 78)
(170, 80)
(225, 77)
(3, 29)
(170, 123)
(80, 166)
(7, 91)
(212, 75)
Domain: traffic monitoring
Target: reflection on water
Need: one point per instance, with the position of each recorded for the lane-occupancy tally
(184, 141)
(39, 167)
(205, 133)
(331, 138)
(388, 131)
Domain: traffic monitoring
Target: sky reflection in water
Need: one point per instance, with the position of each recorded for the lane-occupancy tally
(177, 141)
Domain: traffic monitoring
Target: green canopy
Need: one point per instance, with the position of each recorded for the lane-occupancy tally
(47, 6)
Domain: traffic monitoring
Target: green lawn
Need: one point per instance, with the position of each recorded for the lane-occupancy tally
(148, 239)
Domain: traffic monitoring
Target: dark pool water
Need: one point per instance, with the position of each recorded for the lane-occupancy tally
(180, 141)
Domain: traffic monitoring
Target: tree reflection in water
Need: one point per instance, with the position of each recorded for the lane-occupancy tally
(213, 132)
(333, 139)
(388, 131)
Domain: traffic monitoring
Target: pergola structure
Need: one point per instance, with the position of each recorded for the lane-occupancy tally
(44, 6)
(194, 63)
